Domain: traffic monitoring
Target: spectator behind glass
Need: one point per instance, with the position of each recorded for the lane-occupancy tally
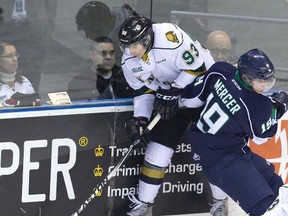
(96, 19)
(220, 45)
(15, 89)
(29, 27)
(104, 79)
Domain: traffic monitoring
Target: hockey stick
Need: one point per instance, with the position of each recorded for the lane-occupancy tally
(116, 168)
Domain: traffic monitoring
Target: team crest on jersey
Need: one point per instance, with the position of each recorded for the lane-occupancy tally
(171, 36)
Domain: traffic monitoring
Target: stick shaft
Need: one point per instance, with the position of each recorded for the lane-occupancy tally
(114, 171)
(152, 123)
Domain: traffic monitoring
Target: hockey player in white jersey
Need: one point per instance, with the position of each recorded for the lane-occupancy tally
(159, 60)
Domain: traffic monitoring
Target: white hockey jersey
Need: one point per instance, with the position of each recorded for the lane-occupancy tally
(175, 56)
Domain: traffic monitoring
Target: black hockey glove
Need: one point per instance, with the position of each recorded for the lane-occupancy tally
(166, 102)
(280, 101)
(23, 100)
(135, 128)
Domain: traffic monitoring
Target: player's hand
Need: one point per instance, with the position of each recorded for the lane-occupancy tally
(280, 101)
(22, 100)
(166, 102)
(135, 128)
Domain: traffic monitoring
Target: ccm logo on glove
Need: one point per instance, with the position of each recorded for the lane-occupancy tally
(167, 97)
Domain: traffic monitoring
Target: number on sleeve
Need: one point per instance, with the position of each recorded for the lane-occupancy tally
(190, 55)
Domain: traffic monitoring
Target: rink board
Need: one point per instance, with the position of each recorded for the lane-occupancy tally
(276, 149)
(52, 158)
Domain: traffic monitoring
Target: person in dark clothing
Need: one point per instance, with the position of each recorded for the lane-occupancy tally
(104, 79)
(96, 19)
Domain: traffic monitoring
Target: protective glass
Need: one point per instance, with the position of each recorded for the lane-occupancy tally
(221, 52)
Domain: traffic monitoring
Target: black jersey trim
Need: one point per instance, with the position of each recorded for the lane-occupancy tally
(143, 90)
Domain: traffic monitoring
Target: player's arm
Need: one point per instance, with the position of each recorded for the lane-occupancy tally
(264, 123)
(268, 128)
(191, 65)
(143, 107)
(187, 76)
(167, 100)
(144, 96)
(192, 59)
(280, 104)
(193, 95)
(143, 102)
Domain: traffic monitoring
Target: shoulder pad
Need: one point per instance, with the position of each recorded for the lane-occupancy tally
(222, 67)
(167, 36)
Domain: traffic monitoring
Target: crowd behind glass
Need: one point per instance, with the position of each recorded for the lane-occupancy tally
(69, 46)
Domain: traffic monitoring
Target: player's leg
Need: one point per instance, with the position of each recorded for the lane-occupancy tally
(219, 207)
(165, 137)
(280, 204)
(157, 158)
(239, 178)
(267, 170)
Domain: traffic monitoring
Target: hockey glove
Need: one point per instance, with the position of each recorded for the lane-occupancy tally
(135, 128)
(280, 101)
(166, 102)
(22, 100)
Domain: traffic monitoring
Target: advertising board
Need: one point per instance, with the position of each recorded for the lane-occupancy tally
(52, 158)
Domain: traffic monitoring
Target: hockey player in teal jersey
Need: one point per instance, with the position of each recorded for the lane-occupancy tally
(236, 110)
